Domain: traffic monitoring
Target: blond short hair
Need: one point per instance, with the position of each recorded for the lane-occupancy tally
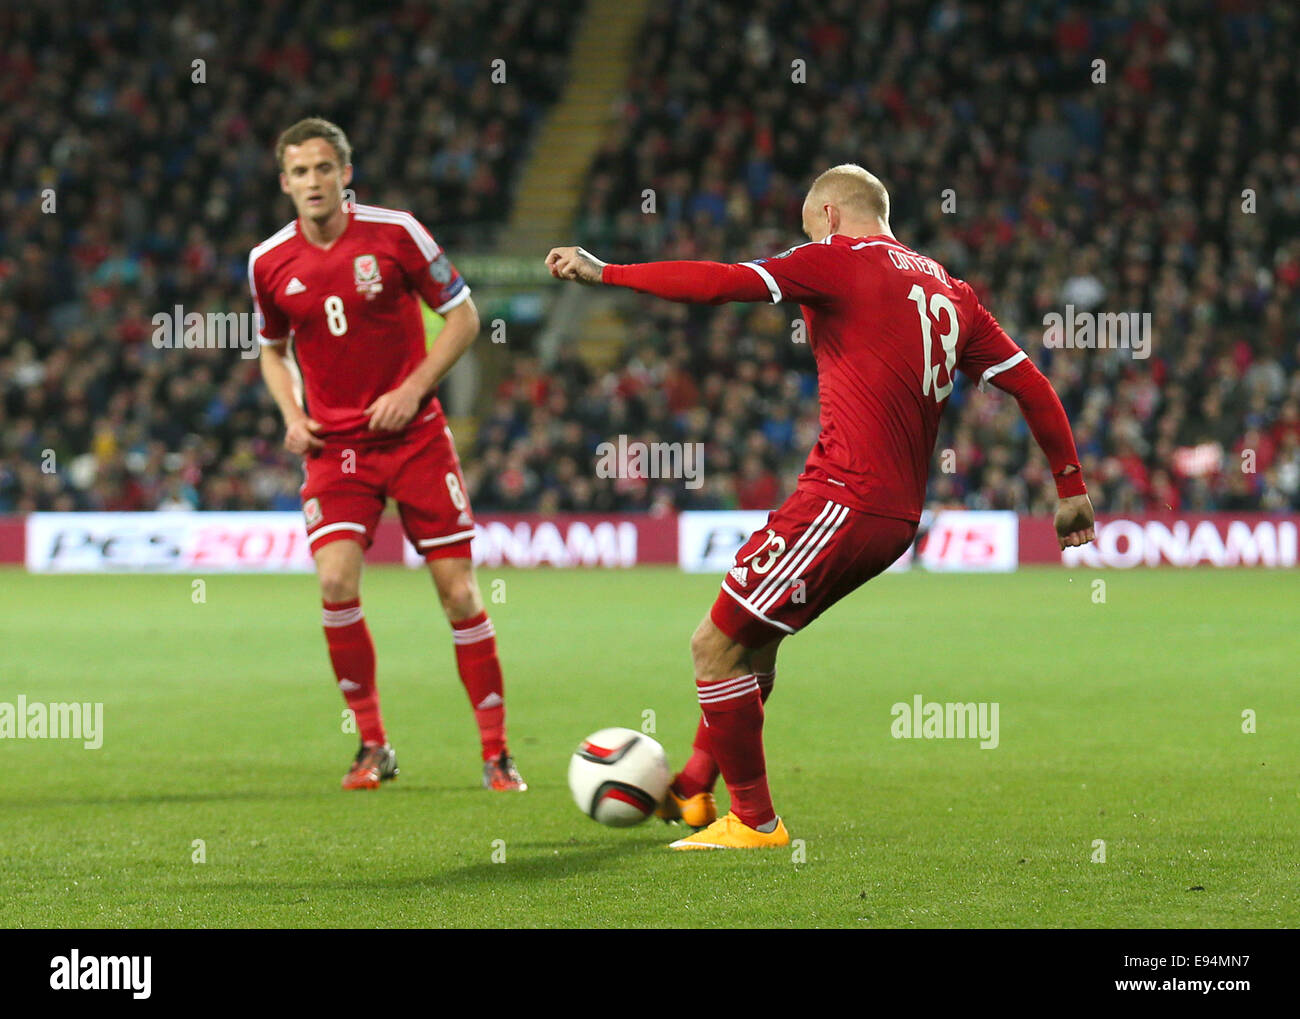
(855, 190)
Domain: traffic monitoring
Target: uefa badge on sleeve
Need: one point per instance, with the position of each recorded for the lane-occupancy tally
(440, 269)
(365, 270)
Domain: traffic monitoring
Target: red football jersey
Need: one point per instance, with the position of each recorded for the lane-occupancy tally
(353, 312)
(887, 327)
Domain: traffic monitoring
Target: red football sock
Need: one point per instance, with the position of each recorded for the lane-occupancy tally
(480, 671)
(733, 711)
(352, 653)
(700, 774)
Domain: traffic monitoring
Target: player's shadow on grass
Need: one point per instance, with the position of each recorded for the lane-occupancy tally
(548, 865)
(516, 869)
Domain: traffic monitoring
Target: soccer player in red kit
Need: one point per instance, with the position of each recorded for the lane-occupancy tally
(887, 327)
(343, 284)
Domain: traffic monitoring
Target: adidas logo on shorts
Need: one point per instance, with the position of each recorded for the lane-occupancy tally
(740, 574)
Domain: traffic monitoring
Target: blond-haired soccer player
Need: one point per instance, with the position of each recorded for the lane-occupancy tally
(888, 327)
(343, 284)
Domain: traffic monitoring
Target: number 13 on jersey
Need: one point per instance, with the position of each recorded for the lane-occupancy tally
(930, 372)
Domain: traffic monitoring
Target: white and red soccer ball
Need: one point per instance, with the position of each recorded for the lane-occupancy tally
(619, 776)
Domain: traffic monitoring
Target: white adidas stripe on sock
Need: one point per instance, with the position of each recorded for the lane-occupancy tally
(727, 690)
(474, 634)
(341, 617)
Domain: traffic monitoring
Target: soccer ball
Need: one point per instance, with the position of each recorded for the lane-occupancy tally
(619, 776)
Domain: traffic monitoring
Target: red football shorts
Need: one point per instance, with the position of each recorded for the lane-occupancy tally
(347, 486)
(812, 552)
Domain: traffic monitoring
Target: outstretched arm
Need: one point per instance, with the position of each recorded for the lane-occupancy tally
(689, 282)
(1046, 419)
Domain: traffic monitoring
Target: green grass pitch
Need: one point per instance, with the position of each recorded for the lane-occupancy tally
(1119, 721)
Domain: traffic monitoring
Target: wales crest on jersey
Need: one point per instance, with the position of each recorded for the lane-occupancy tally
(365, 270)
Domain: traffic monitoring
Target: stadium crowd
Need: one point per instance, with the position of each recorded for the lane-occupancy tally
(1170, 186)
(136, 145)
(1164, 180)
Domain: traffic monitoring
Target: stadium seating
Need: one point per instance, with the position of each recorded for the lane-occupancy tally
(1129, 195)
(1172, 187)
(163, 177)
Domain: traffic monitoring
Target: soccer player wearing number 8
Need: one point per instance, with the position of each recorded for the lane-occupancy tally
(342, 285)
(888, 327)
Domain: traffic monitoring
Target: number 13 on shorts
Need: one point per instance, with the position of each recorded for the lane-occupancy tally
(812, 552)
(772, 548)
